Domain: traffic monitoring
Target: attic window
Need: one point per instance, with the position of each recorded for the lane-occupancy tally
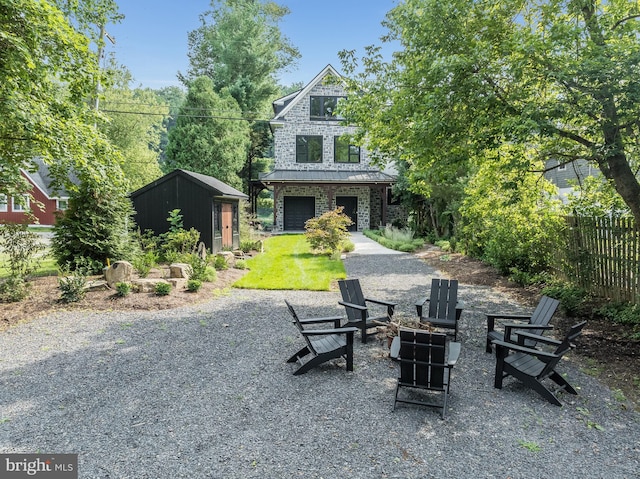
(324, 107)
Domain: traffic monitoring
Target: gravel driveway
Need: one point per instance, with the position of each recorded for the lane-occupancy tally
(204, 392)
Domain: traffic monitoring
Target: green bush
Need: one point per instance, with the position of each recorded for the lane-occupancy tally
(21, 247)
(178, 240)
(409, 247)
(241, 264)
(94, 227)
(143, 263)
(13, 289)
(220, 262)
(123, 289)
(399, 235)
(347, 246)
(163, 289)
(199, 267)
(72, 286)
(194, 285)
(572, 298)
(622, 313)
(326, 232)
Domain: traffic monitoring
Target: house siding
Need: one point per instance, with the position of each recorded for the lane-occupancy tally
(43, 217)
(297, 121)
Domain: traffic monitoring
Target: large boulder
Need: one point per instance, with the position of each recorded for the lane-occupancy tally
(118, 272)
(180, 270)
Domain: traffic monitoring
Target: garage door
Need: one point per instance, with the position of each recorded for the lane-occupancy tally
(297, 210)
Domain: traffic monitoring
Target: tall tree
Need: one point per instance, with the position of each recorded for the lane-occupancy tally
(210, 136)
(559, 76)
(47, 71)
(134, 124)
(241, 48)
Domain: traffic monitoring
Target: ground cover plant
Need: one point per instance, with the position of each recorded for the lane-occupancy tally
(288, 263)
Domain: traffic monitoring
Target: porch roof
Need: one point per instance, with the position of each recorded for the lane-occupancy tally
(326, 176)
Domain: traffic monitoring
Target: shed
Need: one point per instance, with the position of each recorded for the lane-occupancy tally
(205, 203)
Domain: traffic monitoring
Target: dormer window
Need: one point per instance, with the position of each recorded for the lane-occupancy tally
(324, 107)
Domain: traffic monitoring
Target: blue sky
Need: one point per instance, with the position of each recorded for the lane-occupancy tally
(152, 39)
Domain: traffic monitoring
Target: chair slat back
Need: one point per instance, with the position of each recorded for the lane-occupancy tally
(542, 314)
(296, 321)
(443, 299)
(422, 358)
(564, 347)
(352, 293)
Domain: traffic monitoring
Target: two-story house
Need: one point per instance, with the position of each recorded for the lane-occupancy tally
(566, 175)
(316, 167)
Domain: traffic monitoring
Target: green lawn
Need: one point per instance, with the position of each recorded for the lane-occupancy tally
(287, 263)
(47, 267)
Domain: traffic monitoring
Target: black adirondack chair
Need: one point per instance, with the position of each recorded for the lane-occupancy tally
(533, 366)
(536, 323)
(426, 364)
(358, 313)
(322, 344)
(444, 308)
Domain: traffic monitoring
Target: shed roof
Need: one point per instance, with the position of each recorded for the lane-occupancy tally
(217, 187)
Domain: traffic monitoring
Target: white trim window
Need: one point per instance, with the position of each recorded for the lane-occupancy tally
(62, 204)
(4, 206)
(17, 206)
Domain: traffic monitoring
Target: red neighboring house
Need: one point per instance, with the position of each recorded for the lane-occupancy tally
(12, 211)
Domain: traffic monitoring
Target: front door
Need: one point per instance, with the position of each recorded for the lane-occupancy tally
(227, 225)
(350, 204)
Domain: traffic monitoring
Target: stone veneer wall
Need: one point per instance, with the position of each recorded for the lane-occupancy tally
(322, 202)
(298, 123)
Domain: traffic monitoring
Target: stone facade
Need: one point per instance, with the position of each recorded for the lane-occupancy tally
(294, 119)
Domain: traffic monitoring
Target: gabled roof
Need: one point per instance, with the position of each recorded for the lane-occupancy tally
(327, 176)
(292, 99)
(42, 180)
(215, 186)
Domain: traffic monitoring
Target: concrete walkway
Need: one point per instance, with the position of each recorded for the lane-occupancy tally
(367, 246)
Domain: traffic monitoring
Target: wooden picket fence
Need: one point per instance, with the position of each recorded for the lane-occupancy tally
(602, 255)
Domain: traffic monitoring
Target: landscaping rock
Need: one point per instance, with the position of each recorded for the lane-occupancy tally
(180, 270)
(118, 272)
(147, 285)
(229, 257)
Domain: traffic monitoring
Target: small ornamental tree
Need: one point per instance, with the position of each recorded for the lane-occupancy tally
(326, 232)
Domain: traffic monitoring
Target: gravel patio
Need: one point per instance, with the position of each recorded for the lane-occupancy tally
(204, 392)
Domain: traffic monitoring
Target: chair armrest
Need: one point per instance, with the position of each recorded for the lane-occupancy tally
(320, 332)
(538, 338)
(419, 305)
(526, 326)
(336, 320)
(521, 317)
(390, 305)
(523, 349)
(454, 353)
(382, 302)
(353, 306)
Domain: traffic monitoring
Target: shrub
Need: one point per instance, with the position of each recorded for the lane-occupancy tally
(123, 289)
(13, 289)
(348, 246)
(326, 232)
(572, 298)
(163, 289)
(194, 285)
(72, 286)
(404, 235)
(241, 264)
(95, 225)
(177, 239)
(143, 263)
(198, 267)
(220, 262)
(21, 247)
